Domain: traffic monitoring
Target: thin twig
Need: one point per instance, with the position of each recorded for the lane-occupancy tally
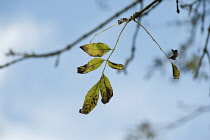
(102, 32)
(57, 61)
(128, 60)
(12, 62)
(179, 122)
(203, 16)
(203, 54)
(177, 6)
(114, 47)
(138, 14)
(151, 8)
(189, 5)
(153, 39)
(162, 129)
(208, 55)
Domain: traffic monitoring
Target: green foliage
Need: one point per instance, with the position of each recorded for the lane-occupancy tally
(176, 72)
(105, 89)
(103, 85)
(96, 49)
(91, 99)
(90, 66)
(115, 66)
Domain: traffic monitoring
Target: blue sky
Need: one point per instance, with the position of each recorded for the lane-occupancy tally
(39, 101)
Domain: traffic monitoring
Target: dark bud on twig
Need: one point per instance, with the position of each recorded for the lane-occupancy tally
(123, 20)
(10, 53)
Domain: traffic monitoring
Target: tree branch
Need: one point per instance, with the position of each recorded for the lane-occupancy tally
(205, 51)
(138, 14)
(150, 131)
(177, 6)
(182, 120)
(25, 56)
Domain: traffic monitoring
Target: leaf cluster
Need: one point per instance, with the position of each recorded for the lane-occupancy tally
(103, 85)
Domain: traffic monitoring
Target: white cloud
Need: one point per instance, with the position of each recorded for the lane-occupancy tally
(20, 132)
(22, 35)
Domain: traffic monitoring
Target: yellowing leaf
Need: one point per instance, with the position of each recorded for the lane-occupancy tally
(96, 49)
(91, 99)
(105, 89)
(90, 66)
(115, 66)
(176, 72)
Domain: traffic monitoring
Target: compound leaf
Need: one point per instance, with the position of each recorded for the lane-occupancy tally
(91, 99)
(176, 72)
(90, 66)
(105, 89)
(115, 66)
(96, 49)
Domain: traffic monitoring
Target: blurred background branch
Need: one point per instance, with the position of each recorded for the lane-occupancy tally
(190, 59)
(148, 131)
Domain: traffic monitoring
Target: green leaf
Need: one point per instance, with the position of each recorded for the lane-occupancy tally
(96, 49)
(90, 66)
(91, 99)
(115, 66)
(105, 89)
(176, 72)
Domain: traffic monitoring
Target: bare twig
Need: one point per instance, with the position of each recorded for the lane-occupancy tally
(12, 62)
(57, 61)
(153, 39)
(208, 55)
(128, 60)
(138, 14)
(189, 5)
(114, 46)
(177, 6)
(203, 16)
(205, 51)
(162, 129)
(182, 120)
(102, 31)
(151, 8)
